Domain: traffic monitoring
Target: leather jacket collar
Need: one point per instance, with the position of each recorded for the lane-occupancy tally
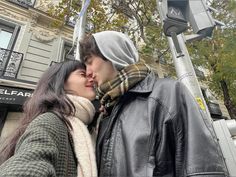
(145, 86)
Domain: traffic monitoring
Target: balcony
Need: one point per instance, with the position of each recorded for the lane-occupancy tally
(10, 62)
(24, 3)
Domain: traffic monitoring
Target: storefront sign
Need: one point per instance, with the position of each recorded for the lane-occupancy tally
(11, 95)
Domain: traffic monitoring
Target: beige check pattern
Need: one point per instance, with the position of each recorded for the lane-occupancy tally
(109, 92)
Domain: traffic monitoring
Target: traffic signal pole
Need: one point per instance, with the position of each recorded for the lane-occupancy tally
(183, 65)
(176, 19)
(186, 73)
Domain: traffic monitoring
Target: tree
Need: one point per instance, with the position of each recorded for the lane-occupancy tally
(218, 55)
(100, 16)
(139, 19)
(146, 27)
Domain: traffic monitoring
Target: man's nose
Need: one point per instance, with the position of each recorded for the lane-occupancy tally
(90, 78)
(89, 73)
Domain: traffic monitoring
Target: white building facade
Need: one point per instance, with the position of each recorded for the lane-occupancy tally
(28, 45)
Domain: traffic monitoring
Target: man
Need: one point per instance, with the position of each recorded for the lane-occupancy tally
(150, 126)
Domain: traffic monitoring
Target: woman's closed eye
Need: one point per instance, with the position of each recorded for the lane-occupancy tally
(82, 73)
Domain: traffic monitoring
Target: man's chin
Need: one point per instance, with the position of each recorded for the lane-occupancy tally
(95, 85)
(98, 83)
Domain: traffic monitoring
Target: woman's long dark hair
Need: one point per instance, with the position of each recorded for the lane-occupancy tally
(49, 96)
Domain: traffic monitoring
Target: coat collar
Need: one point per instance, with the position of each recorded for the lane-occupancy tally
(146, 85)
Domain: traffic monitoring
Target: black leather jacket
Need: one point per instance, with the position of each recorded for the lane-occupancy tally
(157, 129)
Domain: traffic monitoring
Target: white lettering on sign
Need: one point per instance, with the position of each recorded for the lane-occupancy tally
(28, 94)
(15, 92)
(2, 91)
(21, 94)
(6, 92)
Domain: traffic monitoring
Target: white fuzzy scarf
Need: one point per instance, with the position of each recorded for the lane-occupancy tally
(83, 145)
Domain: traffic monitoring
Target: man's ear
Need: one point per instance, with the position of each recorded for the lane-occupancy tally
(114, 67)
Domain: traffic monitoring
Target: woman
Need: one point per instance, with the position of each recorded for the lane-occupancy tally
(53, 139)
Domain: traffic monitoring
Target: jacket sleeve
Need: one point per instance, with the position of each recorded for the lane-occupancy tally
(196, 149)
(37, 151)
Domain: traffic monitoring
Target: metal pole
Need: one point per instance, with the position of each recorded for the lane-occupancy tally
(186, 73)
(81, 30)
(183, 65)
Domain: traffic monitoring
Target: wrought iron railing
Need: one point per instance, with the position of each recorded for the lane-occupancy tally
(10, 62)
(24, 3)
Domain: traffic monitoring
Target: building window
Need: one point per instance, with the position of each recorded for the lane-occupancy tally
(68, 52)
(5, 37)
(24, 3)
(8, 34)
(9, 59)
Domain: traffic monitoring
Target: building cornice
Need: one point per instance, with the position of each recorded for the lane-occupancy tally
(13, 11)
(15, 83)
(33, 15)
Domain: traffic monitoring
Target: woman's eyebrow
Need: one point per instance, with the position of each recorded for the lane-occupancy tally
(81, 71)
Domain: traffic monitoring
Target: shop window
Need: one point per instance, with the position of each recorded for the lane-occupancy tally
(3, 114)
(11, 123)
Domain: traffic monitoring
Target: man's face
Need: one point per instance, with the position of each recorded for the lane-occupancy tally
(99, 70)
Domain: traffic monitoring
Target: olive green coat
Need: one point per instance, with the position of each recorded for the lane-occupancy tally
(45, 149)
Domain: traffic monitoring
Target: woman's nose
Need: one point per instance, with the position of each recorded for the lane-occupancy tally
(90, 79)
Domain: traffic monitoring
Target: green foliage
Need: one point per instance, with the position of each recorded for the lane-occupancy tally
(99, 15)
(140, 19)
(63, 11)
(137, 18)
(104, 18)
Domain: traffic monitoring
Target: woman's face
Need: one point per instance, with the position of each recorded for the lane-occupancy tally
(78, 84)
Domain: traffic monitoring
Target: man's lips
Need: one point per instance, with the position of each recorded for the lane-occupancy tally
(94, 86)
(89, 86)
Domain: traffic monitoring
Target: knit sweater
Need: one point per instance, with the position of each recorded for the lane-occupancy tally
(45, 149)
